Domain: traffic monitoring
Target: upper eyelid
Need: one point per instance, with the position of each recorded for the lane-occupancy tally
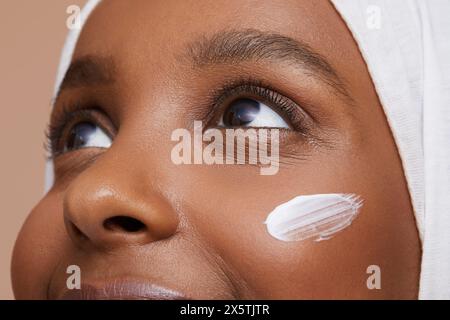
(63, 118)
(64, 112)
(58, 120)
(259, 90)
(235, 46)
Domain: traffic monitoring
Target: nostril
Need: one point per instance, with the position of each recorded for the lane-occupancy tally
(123, 223)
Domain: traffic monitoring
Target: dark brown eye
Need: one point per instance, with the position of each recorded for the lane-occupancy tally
(241, 112)
(86, 135)
(247, 112)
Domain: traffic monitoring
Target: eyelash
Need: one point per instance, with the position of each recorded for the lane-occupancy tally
(70, 115)
(284, 106)
(65, 120)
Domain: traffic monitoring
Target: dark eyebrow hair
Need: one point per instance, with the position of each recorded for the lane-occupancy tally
(237, 46)
(223, 47)
(89, 71)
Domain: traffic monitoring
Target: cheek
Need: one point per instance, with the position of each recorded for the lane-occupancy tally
(38, 249)
(232, 219)
(239, 200)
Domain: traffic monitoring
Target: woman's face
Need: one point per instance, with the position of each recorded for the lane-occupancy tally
(126, 214)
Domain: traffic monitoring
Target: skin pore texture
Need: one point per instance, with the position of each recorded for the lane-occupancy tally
(128, 214)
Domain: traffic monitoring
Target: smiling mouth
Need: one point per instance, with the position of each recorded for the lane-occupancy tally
(122, 290)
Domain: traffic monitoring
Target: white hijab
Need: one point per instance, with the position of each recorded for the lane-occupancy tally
(406, 45)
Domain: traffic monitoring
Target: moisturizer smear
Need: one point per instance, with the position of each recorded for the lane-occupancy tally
(318, 217)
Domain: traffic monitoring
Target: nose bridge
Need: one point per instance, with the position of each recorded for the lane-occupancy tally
(116, 202)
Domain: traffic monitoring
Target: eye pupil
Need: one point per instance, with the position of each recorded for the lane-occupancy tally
(241, 112)
(79, 135)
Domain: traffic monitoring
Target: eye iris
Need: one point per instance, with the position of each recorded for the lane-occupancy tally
(241, 112)
(80, 135)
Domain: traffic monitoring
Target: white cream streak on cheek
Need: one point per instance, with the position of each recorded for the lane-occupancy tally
(318, 216)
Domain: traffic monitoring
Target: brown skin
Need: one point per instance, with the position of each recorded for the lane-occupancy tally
(204, 234)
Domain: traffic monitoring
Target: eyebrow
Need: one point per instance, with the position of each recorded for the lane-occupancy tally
(89, 71)
(223, 47)
(238, 46)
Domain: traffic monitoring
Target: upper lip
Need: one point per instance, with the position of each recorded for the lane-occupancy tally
(122, 290)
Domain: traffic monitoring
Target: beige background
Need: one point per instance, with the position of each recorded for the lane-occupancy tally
(31, 37)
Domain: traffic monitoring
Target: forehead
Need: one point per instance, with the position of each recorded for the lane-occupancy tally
(159, 30)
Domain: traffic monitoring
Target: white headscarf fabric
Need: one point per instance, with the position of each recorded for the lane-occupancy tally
(408, 57)
(406, 45)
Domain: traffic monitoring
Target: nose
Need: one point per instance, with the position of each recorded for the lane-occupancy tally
(107, 211)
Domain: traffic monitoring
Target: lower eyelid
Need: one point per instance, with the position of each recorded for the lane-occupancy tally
(68, 120)
(70, 164)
